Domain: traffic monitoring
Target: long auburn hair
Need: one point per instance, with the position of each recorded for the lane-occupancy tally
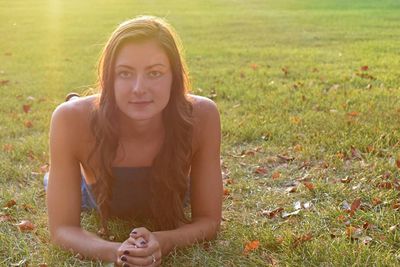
(169, 170)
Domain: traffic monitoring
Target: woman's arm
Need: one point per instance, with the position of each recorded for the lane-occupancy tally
(64, 193)
(206, 183)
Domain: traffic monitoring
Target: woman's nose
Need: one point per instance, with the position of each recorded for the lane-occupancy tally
(139, 85)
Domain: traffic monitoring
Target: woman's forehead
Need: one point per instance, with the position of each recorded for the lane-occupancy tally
(141, 54)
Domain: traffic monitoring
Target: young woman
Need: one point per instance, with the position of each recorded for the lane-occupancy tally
(136, 150)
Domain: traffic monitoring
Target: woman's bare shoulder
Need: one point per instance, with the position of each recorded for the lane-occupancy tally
(75, 115)
(206, 119)
(203, 107)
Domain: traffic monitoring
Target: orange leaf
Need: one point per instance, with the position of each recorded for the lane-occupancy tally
(226, 192)
(25, 225)
(355, 206)
(261, 170)
(28, 124)
(10, 203)
(398, 162)
(364, 68)
(295, 120)
(276, 175)
(254, 66)
(310, 186)
(291, 189)
(26, 108)
(301, 239)
(346, 180)
(353, 114)
(253, 245)
(8, 147)
(272, 213)
(376, 201)
(297, 148)
(385, 185)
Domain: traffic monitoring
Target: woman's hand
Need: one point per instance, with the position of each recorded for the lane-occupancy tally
(141, 249)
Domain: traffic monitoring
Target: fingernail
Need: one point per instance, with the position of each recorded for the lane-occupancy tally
(126, 252)
(125, 265)
(123, 258)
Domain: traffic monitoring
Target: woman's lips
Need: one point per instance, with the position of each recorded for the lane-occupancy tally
(140, 103)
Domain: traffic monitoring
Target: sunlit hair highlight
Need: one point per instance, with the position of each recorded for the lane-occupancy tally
(169, 181)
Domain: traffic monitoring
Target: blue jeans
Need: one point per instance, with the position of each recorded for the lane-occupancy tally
(88, 200)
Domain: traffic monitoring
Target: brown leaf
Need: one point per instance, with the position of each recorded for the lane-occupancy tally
(376, 201)
(276, 175)
(295, 120)
(353, 114)
(297, 148)
(26, 108)
(43, 265)
(4, 82)
(254, 66)
(272, 213)
(25, 226)
(310, 186)
(291, 189)
(355, 206)
(226, 192)
(301, 239)
(28, 124)
(251, 246)
(346, 180)
(385, 185)
(364, 68)
(285, 70)
(10, 203)
(261, 170)
(8, 147)
(398, 162)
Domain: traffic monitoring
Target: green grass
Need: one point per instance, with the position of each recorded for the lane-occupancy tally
(236, 51)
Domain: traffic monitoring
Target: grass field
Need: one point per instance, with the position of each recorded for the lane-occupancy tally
(309, 97)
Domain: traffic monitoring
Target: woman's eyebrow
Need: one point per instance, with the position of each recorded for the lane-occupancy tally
(148, 67)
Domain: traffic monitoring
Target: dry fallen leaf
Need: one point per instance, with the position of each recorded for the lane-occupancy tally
(8, 147)
(10, 203)
(376, 201)
(310, 186)
(261, 170)
(355, 206)
(276, 175)
(291, 189)
(301, 239)
(254, 66)
(3, 82)
(26, 108)
(28, 124)
(364, 68)
(272, 213)
(25, 225)
(226, 192)
(250, 246)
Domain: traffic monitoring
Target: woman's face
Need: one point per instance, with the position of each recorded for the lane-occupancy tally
(143, 80)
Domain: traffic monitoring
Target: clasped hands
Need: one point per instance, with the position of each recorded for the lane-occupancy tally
(141, 249)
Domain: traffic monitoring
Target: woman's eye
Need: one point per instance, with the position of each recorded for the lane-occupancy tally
(154, 74)
(125, 74)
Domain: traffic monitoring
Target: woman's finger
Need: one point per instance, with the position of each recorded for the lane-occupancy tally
(141, 232)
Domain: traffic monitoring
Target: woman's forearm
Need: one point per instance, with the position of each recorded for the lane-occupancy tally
(197, 231)
(86, 244)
